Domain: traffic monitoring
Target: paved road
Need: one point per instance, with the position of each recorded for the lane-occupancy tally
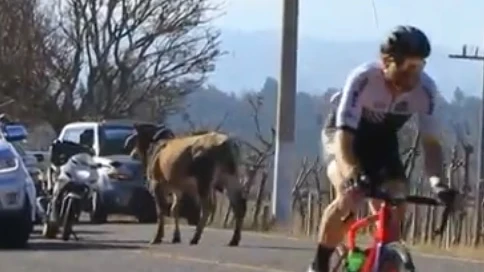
(123, 247)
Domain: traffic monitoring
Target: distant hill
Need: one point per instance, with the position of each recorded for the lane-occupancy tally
(208, 107)
(252, 56)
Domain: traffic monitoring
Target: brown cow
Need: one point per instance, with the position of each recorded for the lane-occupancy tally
(194, 165)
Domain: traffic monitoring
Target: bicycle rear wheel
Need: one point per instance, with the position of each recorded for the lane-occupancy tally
(395, 258)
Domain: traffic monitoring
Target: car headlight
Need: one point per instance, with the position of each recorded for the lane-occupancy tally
(8, 164)
(118, 176)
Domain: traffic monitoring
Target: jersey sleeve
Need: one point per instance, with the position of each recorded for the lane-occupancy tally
(428, 123)
(349, 110)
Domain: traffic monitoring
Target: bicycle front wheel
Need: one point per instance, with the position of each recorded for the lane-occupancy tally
(395, 258)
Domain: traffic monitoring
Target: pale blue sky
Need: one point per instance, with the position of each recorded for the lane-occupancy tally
(447, 22)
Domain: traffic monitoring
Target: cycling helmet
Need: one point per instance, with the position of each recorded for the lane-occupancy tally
(406, 41)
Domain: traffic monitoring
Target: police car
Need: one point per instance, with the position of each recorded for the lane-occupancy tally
(17, 191)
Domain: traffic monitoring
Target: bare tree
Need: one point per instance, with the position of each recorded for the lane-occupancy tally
(258, 156)
(260, 151)
(105, 58)
(197, 126)
(24, 58)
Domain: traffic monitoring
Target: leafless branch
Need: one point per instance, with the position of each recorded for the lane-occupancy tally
(78, 58)
(199, 126)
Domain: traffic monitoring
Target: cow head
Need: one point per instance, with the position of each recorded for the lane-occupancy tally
(144, 136)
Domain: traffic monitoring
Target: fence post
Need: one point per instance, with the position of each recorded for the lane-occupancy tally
(266, 217)
(478, 216)
(310, 214)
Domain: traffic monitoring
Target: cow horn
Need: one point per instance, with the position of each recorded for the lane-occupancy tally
(163, 133)
(130, 141)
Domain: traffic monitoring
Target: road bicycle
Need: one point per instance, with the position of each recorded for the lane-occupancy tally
(383, 255)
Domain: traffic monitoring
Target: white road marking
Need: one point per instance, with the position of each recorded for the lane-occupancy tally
(179, 257)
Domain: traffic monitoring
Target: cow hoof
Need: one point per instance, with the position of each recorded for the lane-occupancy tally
(233, 243)
(176, 240)
(194, 242)
(155, 241)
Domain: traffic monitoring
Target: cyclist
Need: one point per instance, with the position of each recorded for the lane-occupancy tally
(378, 98)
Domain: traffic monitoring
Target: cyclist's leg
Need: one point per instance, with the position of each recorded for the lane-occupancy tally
(332, 229)
(396, 184)
(394, 187)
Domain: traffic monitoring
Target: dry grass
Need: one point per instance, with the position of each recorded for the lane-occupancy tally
(295, 231)
(465, 252)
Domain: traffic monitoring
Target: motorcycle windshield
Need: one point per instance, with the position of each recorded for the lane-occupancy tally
(62, 151)
(82, 159)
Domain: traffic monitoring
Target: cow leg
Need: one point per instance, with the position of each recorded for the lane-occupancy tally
(213, 208)
(238, 203)
(160, 202)
(206, 208)
(175, 212)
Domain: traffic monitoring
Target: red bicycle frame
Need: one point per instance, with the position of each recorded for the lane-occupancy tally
(381, 235)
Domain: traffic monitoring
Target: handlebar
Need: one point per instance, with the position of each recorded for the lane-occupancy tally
(370, 191)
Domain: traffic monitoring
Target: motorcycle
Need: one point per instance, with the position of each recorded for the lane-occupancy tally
(76, 174)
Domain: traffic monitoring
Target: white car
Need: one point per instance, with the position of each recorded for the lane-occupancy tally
(17, 198)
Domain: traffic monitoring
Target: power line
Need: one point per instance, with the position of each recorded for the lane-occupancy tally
(475, 56)
(466, 56)
(375, 14)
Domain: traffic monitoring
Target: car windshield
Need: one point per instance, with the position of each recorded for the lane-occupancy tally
(112, 140)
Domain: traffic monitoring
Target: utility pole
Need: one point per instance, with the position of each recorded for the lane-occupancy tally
(284, 170)
(465, 55)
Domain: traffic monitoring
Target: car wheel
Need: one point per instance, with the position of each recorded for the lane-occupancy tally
(97, 215)
(144, 207)
(21, 228)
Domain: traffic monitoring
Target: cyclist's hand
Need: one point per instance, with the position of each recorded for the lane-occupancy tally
(350, 172)
(449, 197)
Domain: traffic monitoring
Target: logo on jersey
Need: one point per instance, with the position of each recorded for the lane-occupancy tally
(373, 116)
(379, 105)
(401, 106)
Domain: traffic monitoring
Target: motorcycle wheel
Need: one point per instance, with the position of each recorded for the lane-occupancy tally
(49, 230)
(69, 218)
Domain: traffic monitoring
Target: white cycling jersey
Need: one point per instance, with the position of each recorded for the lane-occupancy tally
(366, 106)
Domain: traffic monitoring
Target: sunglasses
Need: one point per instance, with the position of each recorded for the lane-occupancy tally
(410, 65)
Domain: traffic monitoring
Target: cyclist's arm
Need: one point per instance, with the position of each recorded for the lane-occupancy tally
(348, 116)
(430, 130)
